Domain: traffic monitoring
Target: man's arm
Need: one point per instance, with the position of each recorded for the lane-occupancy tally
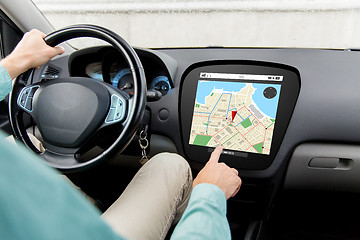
(219, 174)
(205, 216)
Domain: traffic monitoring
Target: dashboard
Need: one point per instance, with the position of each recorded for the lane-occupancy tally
(287, 118)
(107, 65)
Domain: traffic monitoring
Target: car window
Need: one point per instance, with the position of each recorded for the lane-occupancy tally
(10, 35)
(204, 23)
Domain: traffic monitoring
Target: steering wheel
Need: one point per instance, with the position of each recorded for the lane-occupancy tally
(70, 112)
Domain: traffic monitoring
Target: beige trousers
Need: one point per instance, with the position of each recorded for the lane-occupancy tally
(154, 199)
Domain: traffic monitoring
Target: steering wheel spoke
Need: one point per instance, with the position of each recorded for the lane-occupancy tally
(26, 97)
(61, 161)
(119, 106)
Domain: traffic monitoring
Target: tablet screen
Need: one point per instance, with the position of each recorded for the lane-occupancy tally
(235, 111)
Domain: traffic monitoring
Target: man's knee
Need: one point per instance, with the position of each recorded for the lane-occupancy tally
(172, 164)
(171, 160)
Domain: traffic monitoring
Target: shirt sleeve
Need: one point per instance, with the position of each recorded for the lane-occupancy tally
(205, 216)
(37, 203)
(5, 83)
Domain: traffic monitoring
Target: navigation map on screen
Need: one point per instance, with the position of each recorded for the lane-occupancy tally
(236, 111)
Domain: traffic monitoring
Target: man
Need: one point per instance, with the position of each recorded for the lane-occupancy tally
(37, 203)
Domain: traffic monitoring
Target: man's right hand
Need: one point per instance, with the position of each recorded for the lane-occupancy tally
(219, 174)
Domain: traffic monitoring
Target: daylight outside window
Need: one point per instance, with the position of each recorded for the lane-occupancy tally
(216, 23)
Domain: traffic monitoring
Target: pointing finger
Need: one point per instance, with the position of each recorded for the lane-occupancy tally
(216, 154)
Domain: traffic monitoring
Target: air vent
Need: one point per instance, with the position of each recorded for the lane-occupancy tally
(50, 72)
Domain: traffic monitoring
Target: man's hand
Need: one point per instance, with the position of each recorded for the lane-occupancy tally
(31, 52)
(219, 174)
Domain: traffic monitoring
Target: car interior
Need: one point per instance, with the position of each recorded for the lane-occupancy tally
(288, 120)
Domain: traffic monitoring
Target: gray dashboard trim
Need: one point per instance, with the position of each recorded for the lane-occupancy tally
(25, 15)
(170, 63)
(328, 97)
(342, 174)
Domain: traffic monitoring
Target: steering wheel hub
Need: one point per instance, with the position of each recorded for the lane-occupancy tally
(68, 111)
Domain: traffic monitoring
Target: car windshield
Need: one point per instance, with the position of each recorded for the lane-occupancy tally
(216, 23)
